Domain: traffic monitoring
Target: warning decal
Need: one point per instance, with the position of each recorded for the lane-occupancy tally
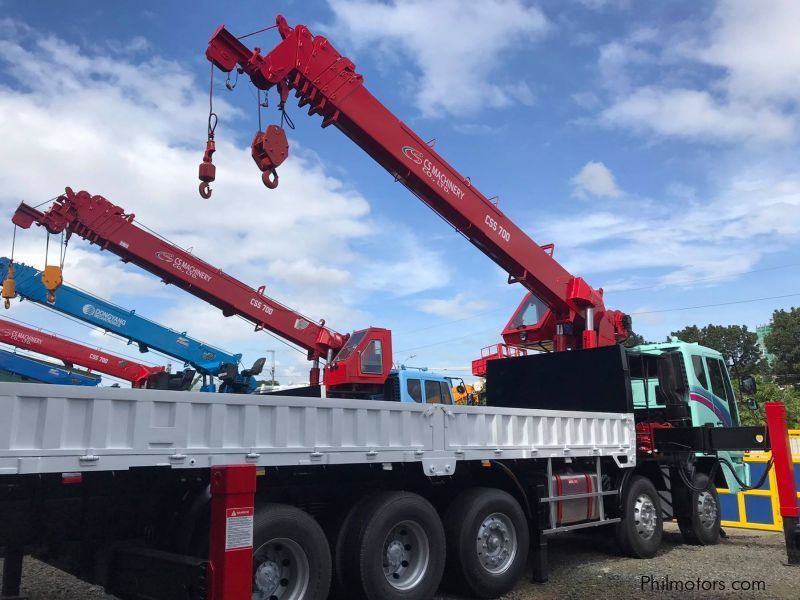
(238, 528)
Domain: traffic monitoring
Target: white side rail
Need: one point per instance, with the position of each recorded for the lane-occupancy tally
(57, 429)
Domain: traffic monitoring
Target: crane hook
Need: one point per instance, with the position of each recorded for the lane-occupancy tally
(51, 298)
(9, 287)
(269, 149)
(207, 170)
(270, 178)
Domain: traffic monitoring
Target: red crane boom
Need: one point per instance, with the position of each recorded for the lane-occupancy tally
(72, 353)
(100, 222)
(329, 85)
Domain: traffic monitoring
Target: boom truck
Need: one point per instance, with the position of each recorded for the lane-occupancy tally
(374, 499)
(205, 360)
(356, 365)
(560, 311)
(28, 369)
(73, 353)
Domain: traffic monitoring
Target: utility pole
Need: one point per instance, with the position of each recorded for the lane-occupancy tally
(272, 367)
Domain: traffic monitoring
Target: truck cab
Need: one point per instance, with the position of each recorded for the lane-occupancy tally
(417, 385)
(706, 389)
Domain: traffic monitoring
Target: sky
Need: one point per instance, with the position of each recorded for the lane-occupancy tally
(655, 144)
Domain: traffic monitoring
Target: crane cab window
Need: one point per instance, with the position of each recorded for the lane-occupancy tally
(348, 349)
(433, 393)
(372, 358)
(414, 387)
(529, 313)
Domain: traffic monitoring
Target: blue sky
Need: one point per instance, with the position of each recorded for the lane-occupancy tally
(654, 143)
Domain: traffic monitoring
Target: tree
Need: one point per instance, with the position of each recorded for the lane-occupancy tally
(635, 340)
(771, 392)
(270, 382)
(734, 342)
(784, 342)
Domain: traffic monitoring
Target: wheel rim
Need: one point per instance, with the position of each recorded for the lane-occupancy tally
(406, 553)
(280, 571)
(706, 509)
(644, 516)
(496, 543)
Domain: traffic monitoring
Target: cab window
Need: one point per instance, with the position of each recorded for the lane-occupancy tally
(700, 370)
(433, 393)
(530, 313)
(447, 397)
(716, 372)
(350, 346)
(372, 358)
(414, 387)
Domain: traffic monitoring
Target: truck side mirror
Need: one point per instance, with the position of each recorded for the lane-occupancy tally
(752, 404)
(461, 389)
(748, 385)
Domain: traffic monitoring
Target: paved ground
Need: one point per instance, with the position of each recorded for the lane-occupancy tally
(586, 566)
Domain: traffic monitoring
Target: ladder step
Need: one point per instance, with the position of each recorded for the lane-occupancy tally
(580, 526)
(579, 496)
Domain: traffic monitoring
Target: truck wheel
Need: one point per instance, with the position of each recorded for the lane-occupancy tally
(487, 542)
(702, 528)
(642, 526)
(291, 558)
(392, 548)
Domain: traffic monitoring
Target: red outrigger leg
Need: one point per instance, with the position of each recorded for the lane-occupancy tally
(230, 553)
(784, 475)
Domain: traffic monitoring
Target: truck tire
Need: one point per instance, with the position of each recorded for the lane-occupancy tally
(641, 529)
(291, 558)
(392, 547)
(487, 542)
(703, 527)
(336, 530)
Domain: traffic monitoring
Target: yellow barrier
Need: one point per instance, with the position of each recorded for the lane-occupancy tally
(759, 509)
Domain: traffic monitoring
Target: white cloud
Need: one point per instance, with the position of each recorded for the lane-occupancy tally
(408, 268)
(758, 46)
(461, 306)
(598, 5)
(133, 129)
(595, 179)
(684, 239)
(747, 56)
(455, 46)
(697, 115)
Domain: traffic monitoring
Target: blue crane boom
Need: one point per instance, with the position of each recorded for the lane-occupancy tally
(205, 359)
(28, 368)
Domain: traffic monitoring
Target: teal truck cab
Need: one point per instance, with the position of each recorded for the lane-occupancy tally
(706, 392)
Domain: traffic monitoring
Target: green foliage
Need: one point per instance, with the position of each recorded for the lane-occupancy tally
(267, 382)
(734, 342)
(784, 343)
(771, 392)
(635, 340)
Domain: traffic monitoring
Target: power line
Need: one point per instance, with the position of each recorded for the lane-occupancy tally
(701, 279)
(675, 309)
(649, 287)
